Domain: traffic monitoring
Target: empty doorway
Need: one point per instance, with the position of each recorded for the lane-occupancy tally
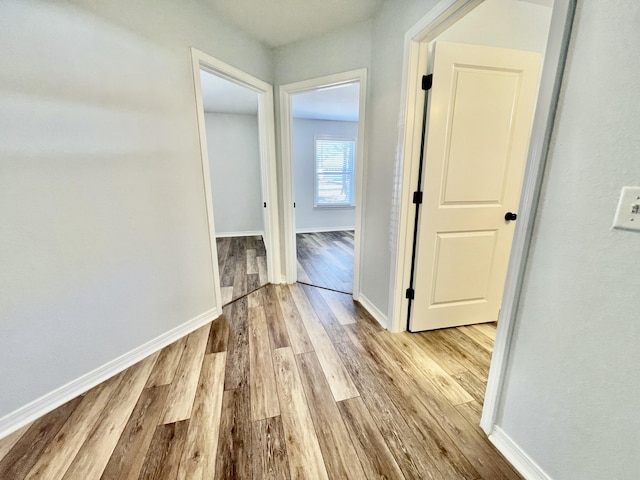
(235, 118)
(322, 138)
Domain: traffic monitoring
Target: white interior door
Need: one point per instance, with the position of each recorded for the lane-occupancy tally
(480, 113)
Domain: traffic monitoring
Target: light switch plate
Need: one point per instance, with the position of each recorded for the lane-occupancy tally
(628, 212)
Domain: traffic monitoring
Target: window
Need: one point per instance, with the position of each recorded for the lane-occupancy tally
(334, 172)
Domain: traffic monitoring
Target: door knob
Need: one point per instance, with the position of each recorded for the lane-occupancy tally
(510, 216)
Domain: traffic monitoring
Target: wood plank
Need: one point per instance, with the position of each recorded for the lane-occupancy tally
(240, 275)
(130, 452)
(253, 282)
(473, 385)
(183, 388)
(93, 457)
(263, 273)
(269, 453)
(408, 394)
(302, 273)
(303, 449)
(340, 382)
(227, 295)
(26, 451)
(7, 443)
(489, 329)
(56, 458)
(298, 336)
(429, 369)
(237, 370)
(219, 333)
(278, 336)
(222, 247)
(471, 411)
(165, 368)
(413, 459)
(342, 312)
(163, 457)
(445, 357)
(325, 314)
(337, 450)
(252, 264)
(468, 452)
(373, 452)
(467, 352)
(264, 395)
(254, 299)
(234, 448)
(201, 445)
(477, 336)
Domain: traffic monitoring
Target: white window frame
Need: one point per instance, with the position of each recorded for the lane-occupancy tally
(336, 138)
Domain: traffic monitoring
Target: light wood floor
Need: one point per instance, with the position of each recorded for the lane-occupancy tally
(242, 263)
(325, 259)
(291, 382)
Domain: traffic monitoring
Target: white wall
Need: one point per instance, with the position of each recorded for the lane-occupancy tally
(234, 162)
(571, 398)
(516, 24)
(103, 239)
(308, 218)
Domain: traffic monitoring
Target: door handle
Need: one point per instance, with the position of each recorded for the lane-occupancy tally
(510, 216)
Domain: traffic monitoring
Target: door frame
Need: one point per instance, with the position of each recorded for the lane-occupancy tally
(417, 40)
(266, 133)
(286, 93)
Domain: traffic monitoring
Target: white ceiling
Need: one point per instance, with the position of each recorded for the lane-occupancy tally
(223, 96)
(333, 103)
(278, 22)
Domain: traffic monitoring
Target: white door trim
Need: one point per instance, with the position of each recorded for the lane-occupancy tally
(266, 132)
(285, 94)
(417, 39)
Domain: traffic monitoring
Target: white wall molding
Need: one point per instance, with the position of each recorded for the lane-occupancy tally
(253, 233)
(368, 305)
(325, 229)
(52, 400)
(285, 94)
(518, 458)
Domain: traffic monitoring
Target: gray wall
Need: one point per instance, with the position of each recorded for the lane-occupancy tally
(308, 218)
(234, 163)
(572, 390)
(103, 240)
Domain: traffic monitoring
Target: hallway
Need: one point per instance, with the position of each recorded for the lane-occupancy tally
(290, 382)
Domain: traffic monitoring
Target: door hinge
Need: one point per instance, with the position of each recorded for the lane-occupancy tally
(294, 204)
(410, 293)
(265, 204)
(427, 81)
(417, 197)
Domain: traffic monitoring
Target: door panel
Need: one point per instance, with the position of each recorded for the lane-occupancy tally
(479, 121)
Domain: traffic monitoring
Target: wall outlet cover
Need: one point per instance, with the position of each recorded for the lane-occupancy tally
(628, 212)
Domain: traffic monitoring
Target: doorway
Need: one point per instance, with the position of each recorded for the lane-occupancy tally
(233, 144)
(236, 128)
(417, 40)
(323, 157)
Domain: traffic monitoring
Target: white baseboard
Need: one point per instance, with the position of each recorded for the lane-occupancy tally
(518, 458)
(52, 400)
(324, 229)
(256, 233)
(380, 317)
